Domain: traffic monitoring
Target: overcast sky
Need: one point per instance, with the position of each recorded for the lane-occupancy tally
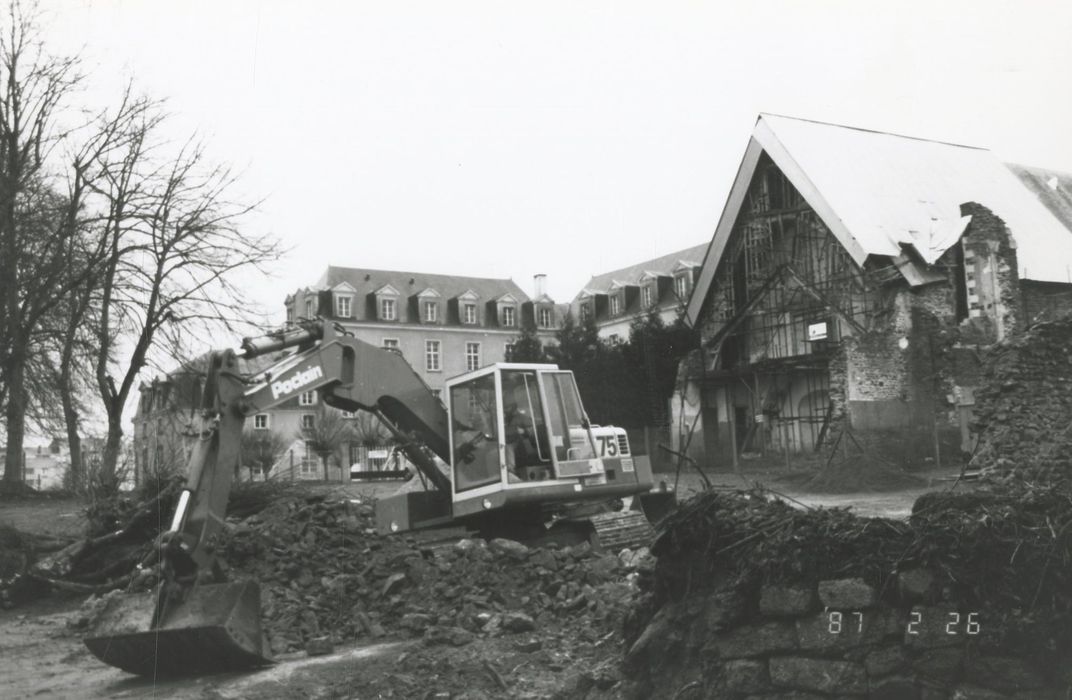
(503, 139)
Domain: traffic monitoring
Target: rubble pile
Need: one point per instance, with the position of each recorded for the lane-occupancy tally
(16, 555)
(324, 572)
(735, 596)
(1023, 410)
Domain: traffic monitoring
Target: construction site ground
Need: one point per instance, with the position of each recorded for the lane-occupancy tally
(41, 657)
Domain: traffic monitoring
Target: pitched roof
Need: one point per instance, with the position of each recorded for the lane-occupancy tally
(664, 265)
(1053, 189)
(877, 191)
(366, 281)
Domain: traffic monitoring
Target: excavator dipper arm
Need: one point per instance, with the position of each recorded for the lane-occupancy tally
(194, 623)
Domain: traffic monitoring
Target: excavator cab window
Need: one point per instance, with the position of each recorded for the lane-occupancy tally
(528, 448)
(475, 433)
(570, 433)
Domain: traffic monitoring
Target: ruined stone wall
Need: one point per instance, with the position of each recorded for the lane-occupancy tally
(890, 385)
(836, 639)
(992, 272)
(1045, 301)
(1023, 406)
(751, 598)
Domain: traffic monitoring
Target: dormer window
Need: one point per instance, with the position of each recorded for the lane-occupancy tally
(310, 307)
(344, 305)
(431, 312)
(615, 304)
(647, 296)
(469, 313)
(543, 318)
(509, 316)
(586, 311)
(387, 303)
(681, 285)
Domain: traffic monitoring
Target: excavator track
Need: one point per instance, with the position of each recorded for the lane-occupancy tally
(625, 529)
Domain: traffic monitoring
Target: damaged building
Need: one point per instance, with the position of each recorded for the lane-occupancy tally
(851, 283)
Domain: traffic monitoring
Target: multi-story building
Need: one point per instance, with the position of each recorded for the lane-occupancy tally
(851, 282)
(443, 325)
(615, 299)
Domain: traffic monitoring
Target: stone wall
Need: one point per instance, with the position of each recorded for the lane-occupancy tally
(890, 386)
(992, 272)
(1045, 301)
(836, 639)
(1023, 405)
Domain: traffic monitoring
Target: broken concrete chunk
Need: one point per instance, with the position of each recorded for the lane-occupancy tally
(511, 548)
(518, 622)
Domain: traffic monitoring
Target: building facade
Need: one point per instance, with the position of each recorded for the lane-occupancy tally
(444, 325)
(852, 280)
(615, 299)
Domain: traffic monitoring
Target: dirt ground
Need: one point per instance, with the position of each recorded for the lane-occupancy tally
(41, 658)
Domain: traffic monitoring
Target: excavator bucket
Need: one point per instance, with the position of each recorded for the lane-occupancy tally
(215, 628)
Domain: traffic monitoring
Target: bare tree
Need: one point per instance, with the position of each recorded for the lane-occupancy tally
(34, 224)
(173, 245)
(49, 154)
(261, 449)
(329, 432)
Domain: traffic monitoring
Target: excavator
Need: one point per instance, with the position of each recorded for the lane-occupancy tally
(510, 452)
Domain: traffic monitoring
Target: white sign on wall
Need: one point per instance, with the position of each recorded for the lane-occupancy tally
(817, 331)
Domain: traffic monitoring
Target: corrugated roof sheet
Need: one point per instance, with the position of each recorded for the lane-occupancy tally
(1052, 188)
(663, 264)
(887, 189)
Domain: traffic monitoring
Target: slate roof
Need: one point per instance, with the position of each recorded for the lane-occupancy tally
(366, 281)
(663, 265)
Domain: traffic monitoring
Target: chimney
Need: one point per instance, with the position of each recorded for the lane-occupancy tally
(540, 283)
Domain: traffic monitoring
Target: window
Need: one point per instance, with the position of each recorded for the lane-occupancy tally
(438, 393)
(431, 312)
(260, 421)
(509, 352)
(308, 463)
(390, 343)
(615, 305)
(508, 316)
(307, 398)
(310, 307)
(343, 306)
(586, 311)
(387, 309)
(308, 421)
(431, 355)
(470, 313)
(475, 433)
(646, 296)
(681, 286)
(614, 339)
(544, 319)
(472, 356)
